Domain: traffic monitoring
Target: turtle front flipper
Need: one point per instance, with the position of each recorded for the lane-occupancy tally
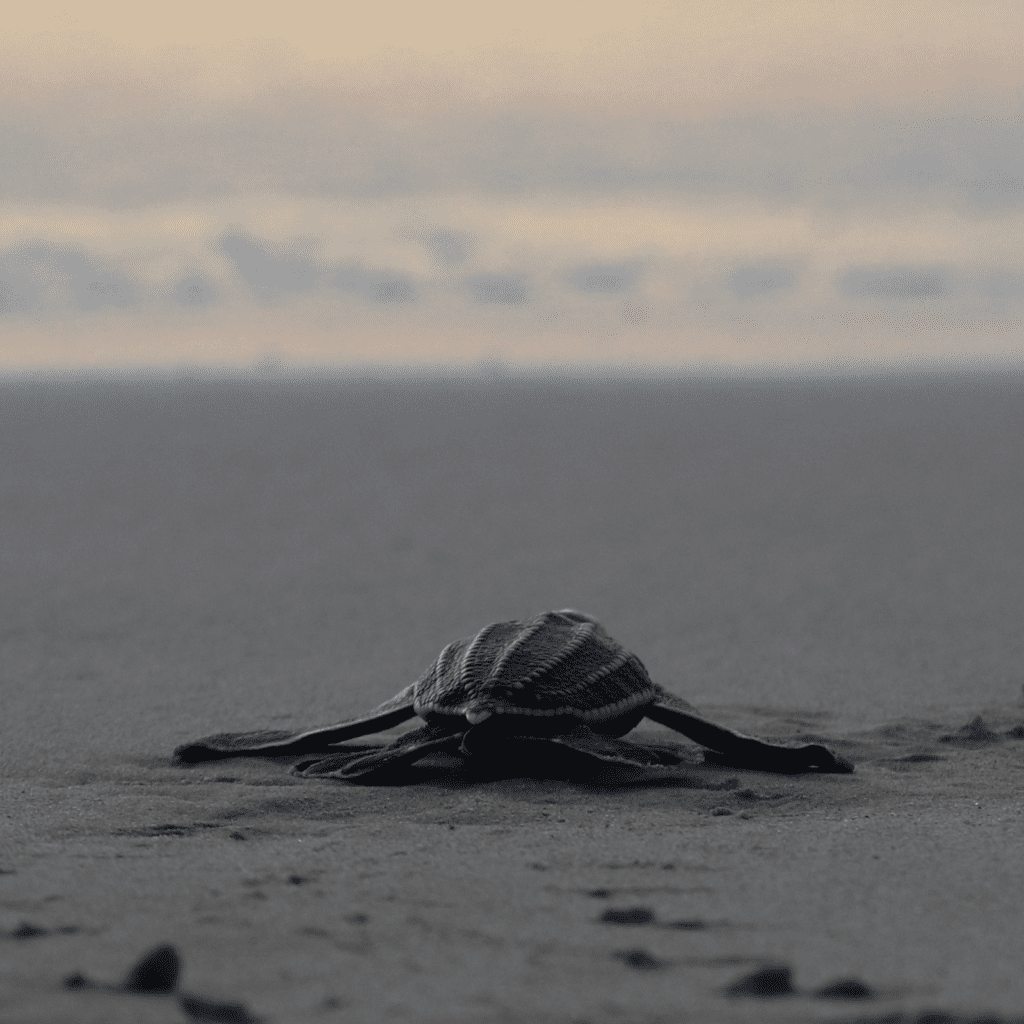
(734, 750)
(386, 764)
(277, 743)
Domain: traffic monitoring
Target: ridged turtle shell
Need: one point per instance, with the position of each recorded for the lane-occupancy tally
(557, 664)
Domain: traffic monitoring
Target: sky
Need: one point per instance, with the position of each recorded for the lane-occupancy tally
(540, 184)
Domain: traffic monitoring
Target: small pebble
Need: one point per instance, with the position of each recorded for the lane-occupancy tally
(157, 971)
(847, 988)
(765, 983)
(639, 959)
(719, 812)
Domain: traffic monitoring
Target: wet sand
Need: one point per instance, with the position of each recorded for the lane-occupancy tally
(176, 571)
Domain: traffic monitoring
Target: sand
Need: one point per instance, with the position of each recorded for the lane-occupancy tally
(177, 568)
(450, 901)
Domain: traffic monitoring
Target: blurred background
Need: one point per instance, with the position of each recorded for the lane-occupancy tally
(659, 184)
(182, 556)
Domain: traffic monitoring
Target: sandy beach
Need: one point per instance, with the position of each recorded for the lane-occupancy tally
(807, 561)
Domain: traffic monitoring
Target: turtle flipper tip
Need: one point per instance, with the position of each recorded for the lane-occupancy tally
(839, 764)
(820, 759)
(193, 753)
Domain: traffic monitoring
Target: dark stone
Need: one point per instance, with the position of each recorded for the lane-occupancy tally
(27, 931)
(765, 983)
(639, 959)
(157, 971)
(847, 988)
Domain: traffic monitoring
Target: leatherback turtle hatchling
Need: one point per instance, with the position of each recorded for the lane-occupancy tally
(556, 688)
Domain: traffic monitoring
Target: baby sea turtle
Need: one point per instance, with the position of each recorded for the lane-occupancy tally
(556, 688)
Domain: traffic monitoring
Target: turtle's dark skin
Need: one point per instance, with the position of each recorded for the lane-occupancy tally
(555, 687)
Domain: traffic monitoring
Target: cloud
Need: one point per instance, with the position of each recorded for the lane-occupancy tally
(499, 291)
(270, 268)
(748, 282)
(379, 285)
(447, 247)
(194, 291)
(901, 284)
(608, 278)
(393, 291)
(41, 274)
(318, 144)
(1002, 288)
(658, 306)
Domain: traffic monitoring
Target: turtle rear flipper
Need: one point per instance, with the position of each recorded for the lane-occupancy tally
(276, 743)
(388, 762)
(579, 754)
(734, 750)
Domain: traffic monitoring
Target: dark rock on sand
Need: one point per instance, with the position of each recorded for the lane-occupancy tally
(846, 988)
(639, 959)
(157, 971)
(27, 930)
(765, 983)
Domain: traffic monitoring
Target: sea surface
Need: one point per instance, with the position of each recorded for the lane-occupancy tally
(187, 554)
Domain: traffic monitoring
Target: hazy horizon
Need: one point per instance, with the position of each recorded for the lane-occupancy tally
(566, 184)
